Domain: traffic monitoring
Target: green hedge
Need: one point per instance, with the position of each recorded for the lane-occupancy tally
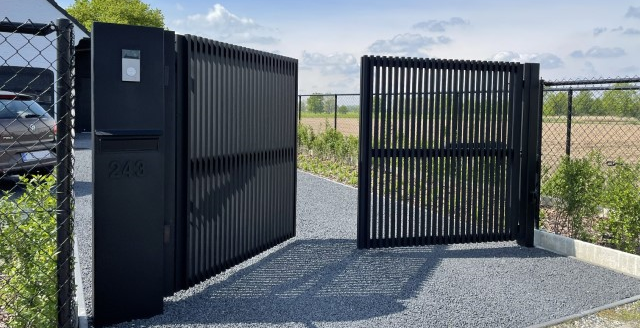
(28, 254)
(582, 188)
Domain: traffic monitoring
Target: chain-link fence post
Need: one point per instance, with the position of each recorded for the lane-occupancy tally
(335, 112)
(569, 116)
(63, 149)
(299, 108)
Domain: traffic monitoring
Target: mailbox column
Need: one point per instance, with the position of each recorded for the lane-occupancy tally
(132, 145)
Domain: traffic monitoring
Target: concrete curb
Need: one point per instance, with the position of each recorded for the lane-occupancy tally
(586, 313)
(619, 261)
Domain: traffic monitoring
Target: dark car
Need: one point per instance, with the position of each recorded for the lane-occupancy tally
(27, 135)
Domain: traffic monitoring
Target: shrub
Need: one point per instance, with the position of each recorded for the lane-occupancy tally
(28, 254)
(330, 154)
(622, 198)
(576, 187)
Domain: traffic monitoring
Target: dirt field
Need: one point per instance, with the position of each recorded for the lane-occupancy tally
(614, 137)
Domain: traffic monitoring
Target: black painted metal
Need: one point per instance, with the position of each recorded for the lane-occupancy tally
(444, 151)
(133, 145)
(64, 176)
(569, 116)
(531, 154)
(27, 28)
(239, 155)
(82, 86)
(194, 165)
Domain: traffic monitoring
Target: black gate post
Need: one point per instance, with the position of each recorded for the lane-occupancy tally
(364, 162)
(63, 176)
(530, 178)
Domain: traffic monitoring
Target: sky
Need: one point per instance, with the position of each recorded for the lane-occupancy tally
(571, 39)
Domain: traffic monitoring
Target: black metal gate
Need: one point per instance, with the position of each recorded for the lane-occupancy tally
(236, 155)
(449, 152)
(194, 167)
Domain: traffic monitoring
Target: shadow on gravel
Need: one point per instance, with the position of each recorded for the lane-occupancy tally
(321, 280)
(82, 188)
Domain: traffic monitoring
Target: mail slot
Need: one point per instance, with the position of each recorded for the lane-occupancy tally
(132, 142)
(117, 141)
(128, 144)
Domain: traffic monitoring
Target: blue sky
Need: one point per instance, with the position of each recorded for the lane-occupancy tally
(571, 38)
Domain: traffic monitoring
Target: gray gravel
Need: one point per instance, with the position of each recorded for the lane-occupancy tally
(83, 213)
(320, 279)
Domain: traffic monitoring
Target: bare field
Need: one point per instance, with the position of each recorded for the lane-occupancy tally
(615, 138)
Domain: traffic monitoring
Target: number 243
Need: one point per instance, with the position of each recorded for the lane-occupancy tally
(126, 169)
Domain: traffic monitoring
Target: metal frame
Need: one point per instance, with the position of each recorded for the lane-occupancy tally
(449, 154)
(236, 155)
(64, 192)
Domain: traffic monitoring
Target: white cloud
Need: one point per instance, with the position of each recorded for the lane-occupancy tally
(633, 12)
(599, 52)
(589, 70)
(407, 44)
(440, 25)
(546, 60)
(220, 24)
(347, 85)
(599, 30)
(631, 31)
(338, 63)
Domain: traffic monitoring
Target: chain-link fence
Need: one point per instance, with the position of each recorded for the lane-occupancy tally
(580, 117)
(591, 161)
(336, 111)
(36, 160)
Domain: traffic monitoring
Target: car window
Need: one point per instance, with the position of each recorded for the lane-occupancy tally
(20, 108)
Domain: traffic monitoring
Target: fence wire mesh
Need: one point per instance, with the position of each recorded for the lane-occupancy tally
(591, 161)
(330, 111)
(36, 160)
(581, 118)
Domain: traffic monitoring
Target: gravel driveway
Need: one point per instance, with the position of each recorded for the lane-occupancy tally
(320, 279)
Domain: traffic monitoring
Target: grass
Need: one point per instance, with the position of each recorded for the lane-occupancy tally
(331, 169)
(627, 315)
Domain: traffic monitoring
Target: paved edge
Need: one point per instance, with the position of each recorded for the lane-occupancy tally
(587, 312)
(327, 179)
(82, 310)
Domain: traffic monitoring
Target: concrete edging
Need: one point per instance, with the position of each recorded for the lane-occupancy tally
(602, 256)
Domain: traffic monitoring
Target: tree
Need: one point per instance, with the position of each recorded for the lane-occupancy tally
(621, 102)
(584, 103)
(130, 12)
(329, 104)
(314, 103)
(343, 109)
(555, 103)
